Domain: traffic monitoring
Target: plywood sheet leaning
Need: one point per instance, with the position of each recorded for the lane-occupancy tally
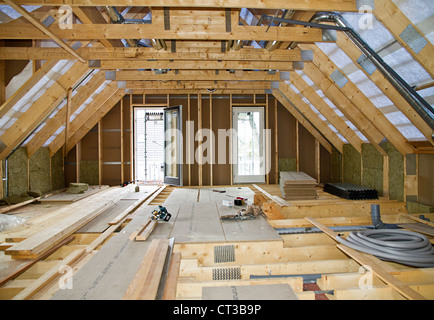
(296, 185)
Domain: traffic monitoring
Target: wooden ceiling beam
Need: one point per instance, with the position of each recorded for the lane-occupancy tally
(197, 75)
(159, 85)
(142, 53)
(151, 31)
(313, 5)
(195, 65)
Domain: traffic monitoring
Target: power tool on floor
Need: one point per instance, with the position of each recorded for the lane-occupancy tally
(160, 213)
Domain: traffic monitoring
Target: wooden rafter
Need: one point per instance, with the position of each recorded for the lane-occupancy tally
(312, 117)
(310, 94)
(78, 121)
(43, 29)
(40, 108)
(53, 124)
(313, 131)
(376, 117)
(396, 22)
(91, 15)
(354, 115)
(95, 118)
(384, 85)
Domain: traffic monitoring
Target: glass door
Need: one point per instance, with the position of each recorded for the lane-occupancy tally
(248, 146)
(173, 146)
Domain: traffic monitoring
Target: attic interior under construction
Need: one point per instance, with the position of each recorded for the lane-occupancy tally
(189, 150)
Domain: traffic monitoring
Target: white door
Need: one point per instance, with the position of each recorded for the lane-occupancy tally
(249, 161)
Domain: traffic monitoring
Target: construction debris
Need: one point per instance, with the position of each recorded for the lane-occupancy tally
(250, 213)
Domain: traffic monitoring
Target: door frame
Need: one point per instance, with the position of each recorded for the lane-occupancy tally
(261, 178)
(176, 181)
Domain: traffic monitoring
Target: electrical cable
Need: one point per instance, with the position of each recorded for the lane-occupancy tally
(401, 246)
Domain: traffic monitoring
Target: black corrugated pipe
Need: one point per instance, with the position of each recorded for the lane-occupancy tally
(425, 111)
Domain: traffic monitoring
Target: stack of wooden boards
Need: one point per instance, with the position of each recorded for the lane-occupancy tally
(296, 185)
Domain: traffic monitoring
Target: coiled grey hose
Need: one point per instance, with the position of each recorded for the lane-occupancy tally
(401, 246)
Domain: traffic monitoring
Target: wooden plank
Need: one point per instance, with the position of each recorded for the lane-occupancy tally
(145, 201)
(29, 291)
(409, 216)
(172, 277)
(146, 282)
(377, 266)
(143, 233)
(88, 209)
(273, 198)
(379, 271)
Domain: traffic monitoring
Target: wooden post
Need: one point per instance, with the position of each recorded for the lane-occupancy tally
(297, 145)
(100, 152)
(199, 127)
(189, 146)
(77, 160)
(67, 118)
(211, 143)
(122, 139)
(276, 142)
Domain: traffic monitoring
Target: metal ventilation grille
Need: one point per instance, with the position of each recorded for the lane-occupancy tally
(226, 274)
(224, 254)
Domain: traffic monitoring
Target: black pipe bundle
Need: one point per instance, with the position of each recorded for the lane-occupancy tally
(351, 191)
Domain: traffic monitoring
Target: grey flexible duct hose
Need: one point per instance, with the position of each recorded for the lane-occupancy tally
(401, 246)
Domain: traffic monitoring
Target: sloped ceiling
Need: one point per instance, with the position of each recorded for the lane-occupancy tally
(364, 109)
